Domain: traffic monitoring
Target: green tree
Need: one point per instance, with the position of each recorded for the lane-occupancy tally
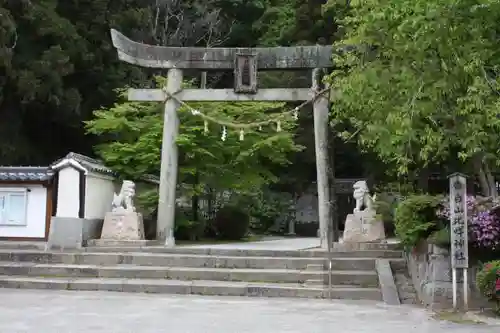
(242, 162)
(57, 65)
(419, 83)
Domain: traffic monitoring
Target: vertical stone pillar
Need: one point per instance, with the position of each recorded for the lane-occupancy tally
(169, 162)
(320, 109)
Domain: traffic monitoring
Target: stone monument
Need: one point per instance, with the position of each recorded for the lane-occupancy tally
(363, 225)
(123, 223)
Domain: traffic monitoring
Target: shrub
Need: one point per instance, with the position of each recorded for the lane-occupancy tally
(441, 238)
(231, 223)
(488, 282)
(185, 227)
(270, 212)
(415, 218)
(385, 205)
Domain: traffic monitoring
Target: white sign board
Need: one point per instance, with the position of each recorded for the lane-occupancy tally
(458, 221)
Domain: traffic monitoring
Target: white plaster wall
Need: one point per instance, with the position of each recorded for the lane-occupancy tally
(68, 193)
(36, 214)
(99, 193)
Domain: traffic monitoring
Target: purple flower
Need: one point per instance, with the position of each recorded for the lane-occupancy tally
(484, 230)
(483, 225)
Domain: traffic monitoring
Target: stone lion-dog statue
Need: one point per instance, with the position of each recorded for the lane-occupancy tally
(123, 201)
(362, 196)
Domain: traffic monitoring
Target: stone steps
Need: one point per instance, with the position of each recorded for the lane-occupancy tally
(216, 271)
(381, 251)
(200, 287)
(185, 260)
(358, 278)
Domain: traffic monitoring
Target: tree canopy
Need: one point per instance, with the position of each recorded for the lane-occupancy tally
(419, 82)
(56, 66)
(239, 161)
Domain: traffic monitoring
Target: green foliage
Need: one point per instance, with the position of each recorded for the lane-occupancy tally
(56, 66)
(147, 201)
(385, 205)
(415, 218)
(286, 22)
(422, 84)
(396, 189)
(231, 223)
(488, 282)
(267, 208)
(134, 132)
(186, 228)
(441, 238)
(57, 62)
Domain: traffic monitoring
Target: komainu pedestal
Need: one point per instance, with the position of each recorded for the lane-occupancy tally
(123, 225)
(363, 225)
(123, 222)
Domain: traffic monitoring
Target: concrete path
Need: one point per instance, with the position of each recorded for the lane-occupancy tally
(24, 311)
(277, 244)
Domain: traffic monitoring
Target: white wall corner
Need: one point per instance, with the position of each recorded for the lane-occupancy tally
(68, 192)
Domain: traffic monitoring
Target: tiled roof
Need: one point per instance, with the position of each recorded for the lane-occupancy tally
(94, 165)
(89, 163)
(151, 179)
(25, 173)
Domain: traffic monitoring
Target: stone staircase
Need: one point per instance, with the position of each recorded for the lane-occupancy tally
(267, 273)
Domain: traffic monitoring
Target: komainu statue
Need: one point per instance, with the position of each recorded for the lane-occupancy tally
(364, 224)
(362, 196)
(123, 201)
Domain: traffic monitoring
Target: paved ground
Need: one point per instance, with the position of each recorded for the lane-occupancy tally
(77, 312)
(272, 243)
(300, 243)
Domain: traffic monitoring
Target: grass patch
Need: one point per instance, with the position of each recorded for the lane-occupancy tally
(456, 317)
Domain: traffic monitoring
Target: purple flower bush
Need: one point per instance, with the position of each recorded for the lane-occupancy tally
(444, 211)
(483, 223)
(484, 230)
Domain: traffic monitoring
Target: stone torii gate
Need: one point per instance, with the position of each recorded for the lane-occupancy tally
(245, 62)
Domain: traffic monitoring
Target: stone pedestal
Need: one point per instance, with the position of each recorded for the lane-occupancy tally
(123, 225)
(430, 270)
(363, 226)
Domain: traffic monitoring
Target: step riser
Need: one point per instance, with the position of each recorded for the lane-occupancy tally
(253, 253)
(176, 274)
(186, 261)
(92, 244)
(197, 290)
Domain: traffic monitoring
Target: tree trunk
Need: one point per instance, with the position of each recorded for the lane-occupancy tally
(491, 180)
(195, 199)
(423, 179)
(486, 179)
